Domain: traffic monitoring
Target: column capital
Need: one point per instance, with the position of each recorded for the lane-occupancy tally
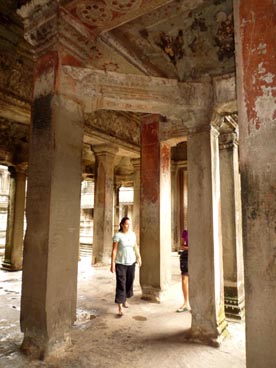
(136, 163)
(47, 26)
(105, 149)
(22, 168)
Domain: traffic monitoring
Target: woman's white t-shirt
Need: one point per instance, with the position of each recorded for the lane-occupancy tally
(126, 242)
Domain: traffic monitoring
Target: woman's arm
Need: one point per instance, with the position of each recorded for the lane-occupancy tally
(138, 255)
(113, 256)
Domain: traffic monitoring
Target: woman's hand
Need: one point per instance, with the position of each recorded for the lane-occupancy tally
(112, 267)
(139, 261)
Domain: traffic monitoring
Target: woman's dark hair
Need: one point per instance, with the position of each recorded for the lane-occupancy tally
(124, 219)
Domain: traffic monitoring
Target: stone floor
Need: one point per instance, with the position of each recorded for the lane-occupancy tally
(148, 335)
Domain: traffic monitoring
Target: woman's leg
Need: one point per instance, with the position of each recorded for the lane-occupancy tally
(120, 297)
(130, 275)
(185, 289)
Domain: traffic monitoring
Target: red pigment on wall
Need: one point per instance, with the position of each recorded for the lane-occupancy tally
(258, 29)
(165, 157)
(150, 159)
(46, 63)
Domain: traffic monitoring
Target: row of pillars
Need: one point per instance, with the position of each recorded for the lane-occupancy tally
(53, 213)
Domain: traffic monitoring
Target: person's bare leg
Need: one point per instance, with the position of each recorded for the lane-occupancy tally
(185, 285)
(185, 290)
(120, 309)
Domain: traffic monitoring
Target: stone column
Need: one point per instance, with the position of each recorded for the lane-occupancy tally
(116, 207)
(103, 207)
(15, 225)
(155, 210)
(205, 245)
(50, 263)
(231, 226)
(136, 201)
(174, 207)
(256, 87)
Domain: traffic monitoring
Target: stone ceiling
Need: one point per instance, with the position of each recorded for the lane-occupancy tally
(181, 39)
(176, 39)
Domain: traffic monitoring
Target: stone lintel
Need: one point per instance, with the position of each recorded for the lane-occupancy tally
(14, 109)
(115, 91)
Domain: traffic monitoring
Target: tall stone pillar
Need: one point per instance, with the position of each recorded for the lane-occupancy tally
(174, 207)
(50, 262)
(15, 225)
(231, 226)
(155, 210)
(205, 245)
(256, 87)
(103, 203)
(116, 207)
(136, 201)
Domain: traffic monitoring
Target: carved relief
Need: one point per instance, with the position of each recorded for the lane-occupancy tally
(12, 136)
(16, 76)
(116, 125)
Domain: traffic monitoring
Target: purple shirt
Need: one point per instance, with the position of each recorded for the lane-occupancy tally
(185, 237)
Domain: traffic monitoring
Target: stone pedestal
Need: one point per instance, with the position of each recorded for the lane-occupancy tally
(155, 209)
(231, 227)
(50, 262)
(205, 244)
(256, 86)
(103, 203)
(15, 225)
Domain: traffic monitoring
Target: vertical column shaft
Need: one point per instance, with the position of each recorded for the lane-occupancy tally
(103, 208)
(136, 202)
(231, 227)
(49, 283)
(15, 226)
(205, 246)
(256, 87)
(155, 235)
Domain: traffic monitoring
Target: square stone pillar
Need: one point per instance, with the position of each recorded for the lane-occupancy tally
(256, 87)
(231, 226)
(205, 245)
(15, 224)
(155, 210)
(136, 201)
(50, 262)
(103, 203)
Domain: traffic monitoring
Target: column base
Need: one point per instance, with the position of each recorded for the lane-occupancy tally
(7, 266)
(234, 305)
(153, 295)
(38, 348)
(207, 333)
(193, 336)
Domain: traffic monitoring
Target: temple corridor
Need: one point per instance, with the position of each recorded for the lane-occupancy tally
(148, 335)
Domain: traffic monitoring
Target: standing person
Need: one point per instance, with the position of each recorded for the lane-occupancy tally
(124, 255)
(184, 246)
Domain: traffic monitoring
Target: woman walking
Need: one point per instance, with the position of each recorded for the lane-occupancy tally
(124, 256)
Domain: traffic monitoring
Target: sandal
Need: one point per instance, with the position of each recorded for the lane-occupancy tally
(183, 309)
